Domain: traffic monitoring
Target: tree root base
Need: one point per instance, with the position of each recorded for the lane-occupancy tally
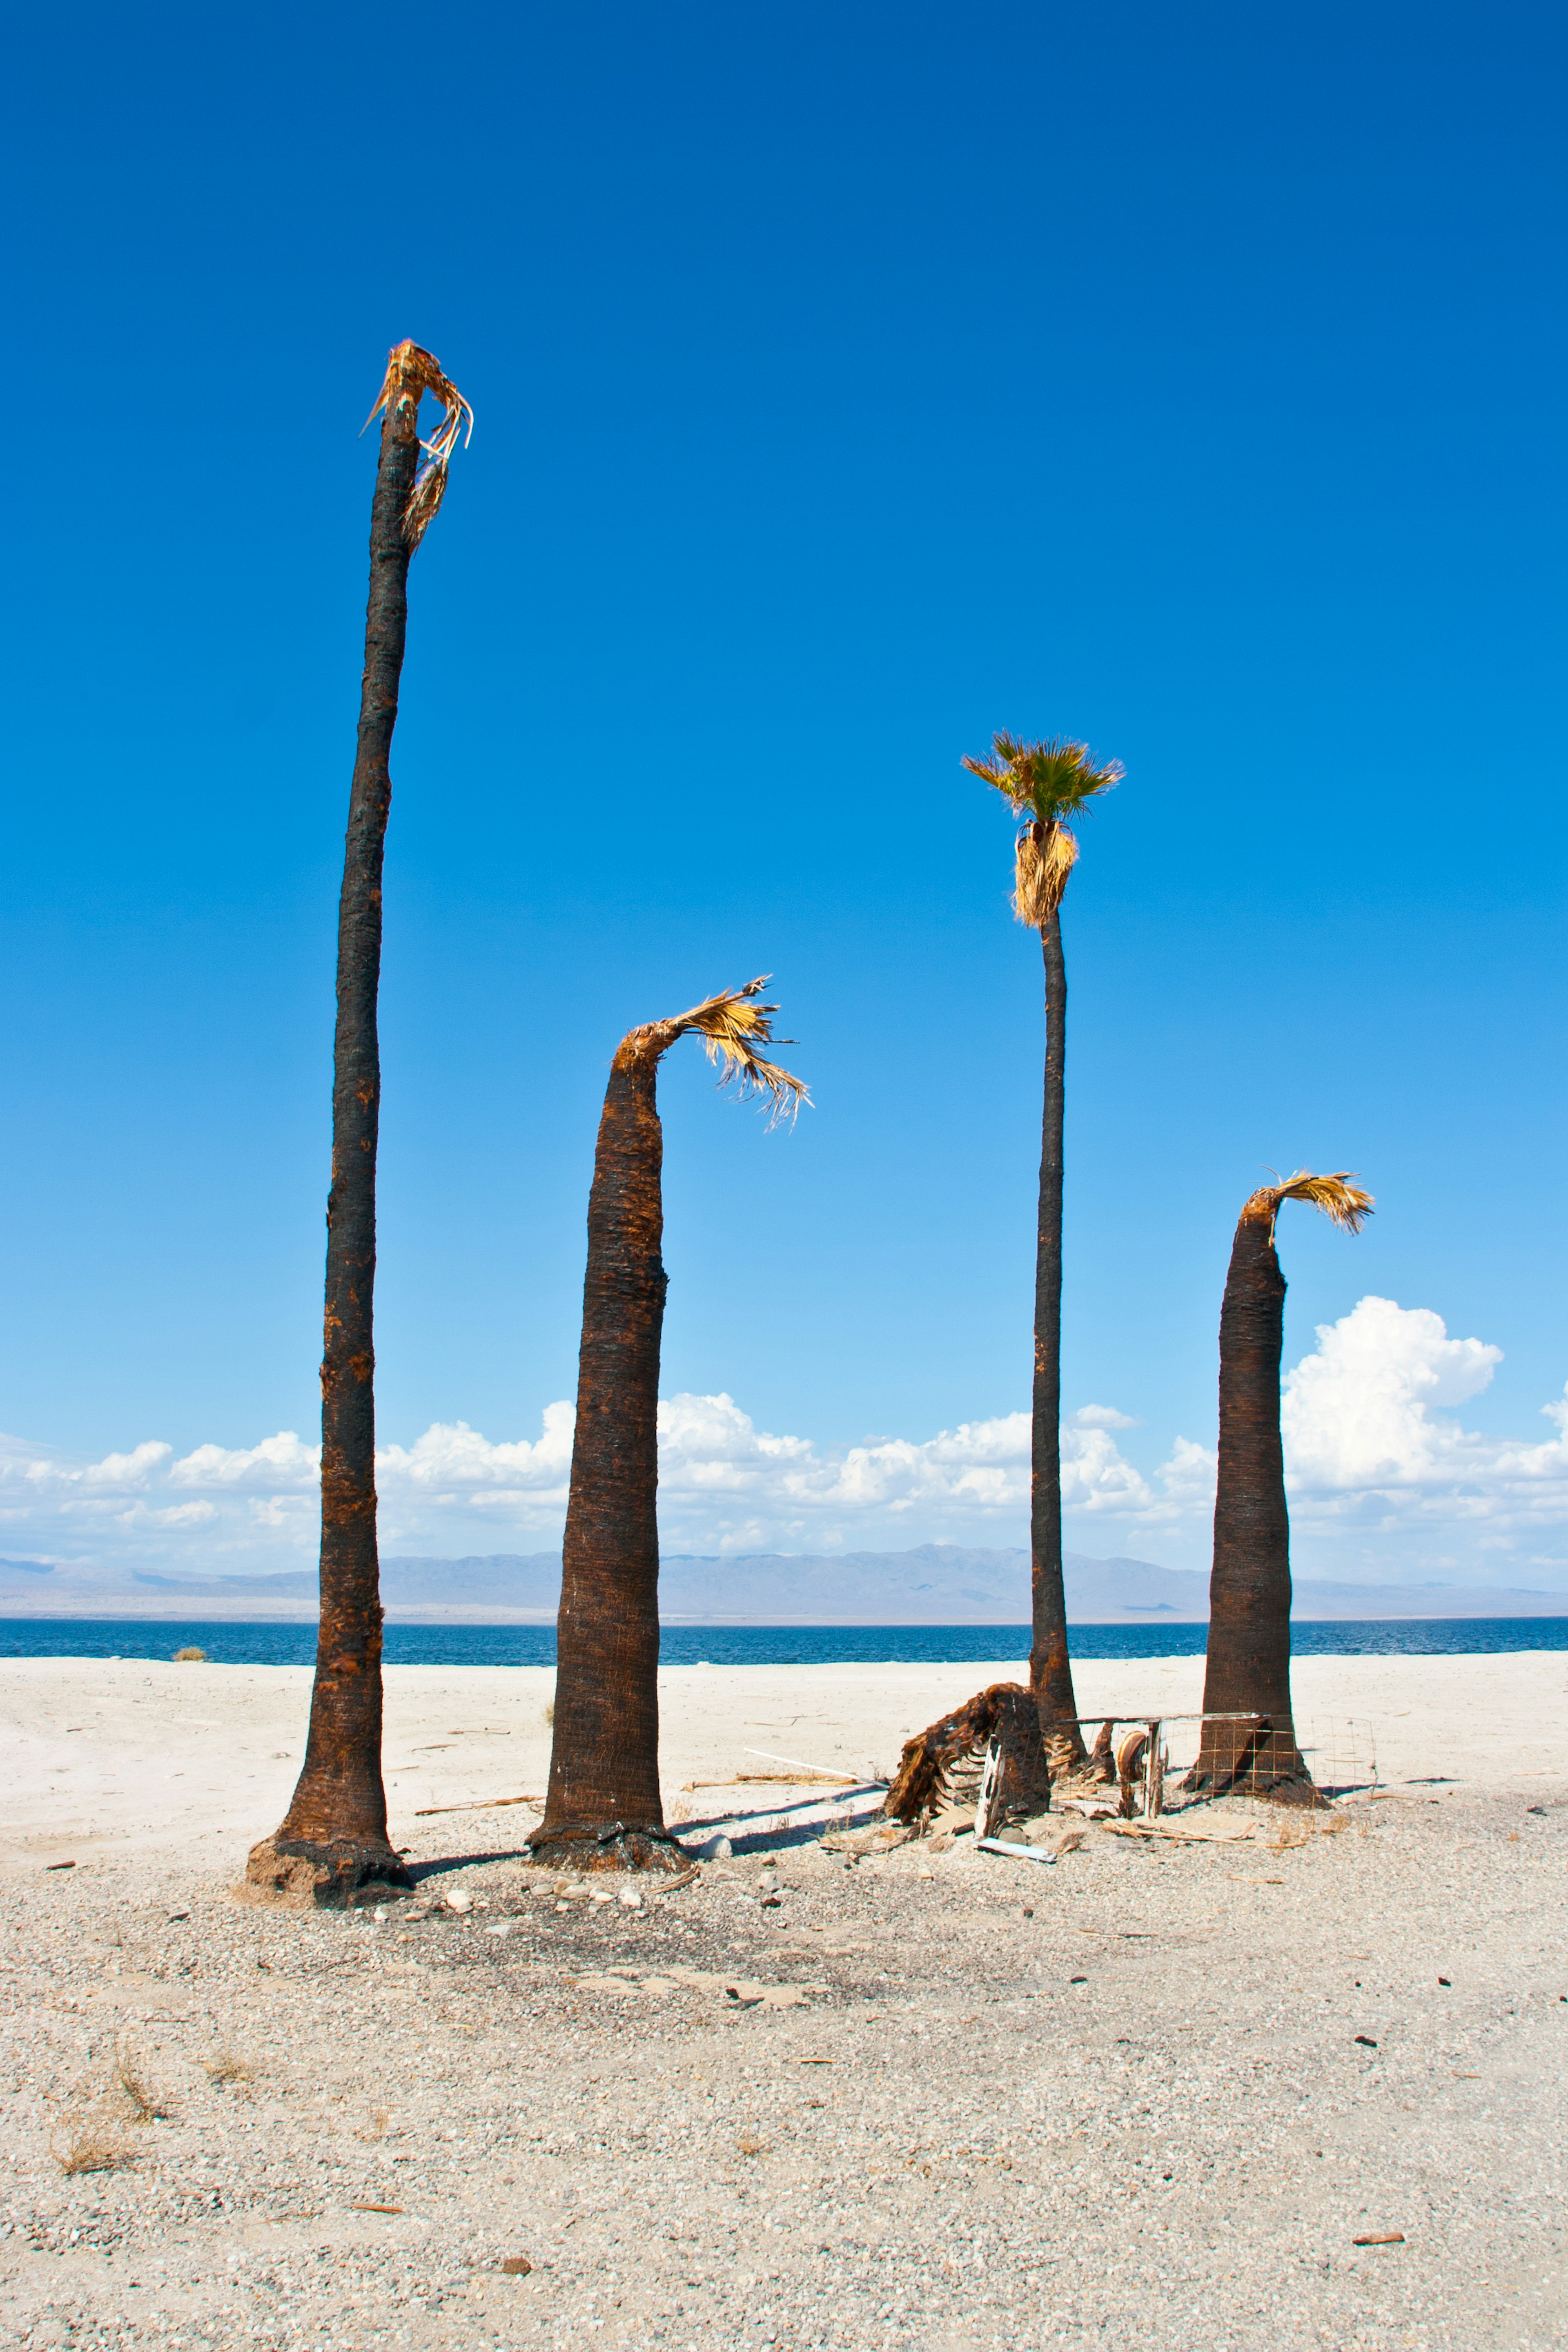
(1290, 1788)
(616, 1848)
(310, 1874)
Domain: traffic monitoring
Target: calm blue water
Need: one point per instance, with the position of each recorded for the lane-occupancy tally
(758, 1645)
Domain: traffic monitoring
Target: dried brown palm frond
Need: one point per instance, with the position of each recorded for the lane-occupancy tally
(1046, 856)
(410, 373)
(1342, 1200)
(1004, 1710)
(732, 1025)
(1045, 783)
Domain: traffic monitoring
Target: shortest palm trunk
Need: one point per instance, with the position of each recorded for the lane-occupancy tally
(603, 1810)
(1248, 1666)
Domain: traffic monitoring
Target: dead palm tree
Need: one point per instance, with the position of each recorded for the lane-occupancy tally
(604, 1809)
(1046, 784)
(333, 1839)
(1248, 1668)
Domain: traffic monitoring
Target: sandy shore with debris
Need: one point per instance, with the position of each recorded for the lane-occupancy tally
(104, 1759)
(1153, 2093)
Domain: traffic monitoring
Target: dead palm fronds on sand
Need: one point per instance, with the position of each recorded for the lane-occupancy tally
(1003, 1712)
(1045, 783)
(1249, 1664)
(604, 1809)
(333, 1839)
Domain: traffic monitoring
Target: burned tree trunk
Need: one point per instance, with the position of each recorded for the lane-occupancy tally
(333, 1840)
(604, 1809)
(1249, 1664)
(1050, 1665)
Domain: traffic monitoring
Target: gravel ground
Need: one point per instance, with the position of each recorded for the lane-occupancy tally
(1147, 2097)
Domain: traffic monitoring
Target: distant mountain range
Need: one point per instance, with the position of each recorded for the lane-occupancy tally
(936, 1584)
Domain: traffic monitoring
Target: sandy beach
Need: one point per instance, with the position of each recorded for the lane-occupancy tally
(1149, 2095)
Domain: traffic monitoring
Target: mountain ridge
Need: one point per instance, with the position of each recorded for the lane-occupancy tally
(931, 1585)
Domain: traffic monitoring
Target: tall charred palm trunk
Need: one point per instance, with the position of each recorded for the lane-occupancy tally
(604, 1809)
(1049, 1667)
(1248, 1667)
(333, 1839)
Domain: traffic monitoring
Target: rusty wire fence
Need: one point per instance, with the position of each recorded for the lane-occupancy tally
(1150, 1765)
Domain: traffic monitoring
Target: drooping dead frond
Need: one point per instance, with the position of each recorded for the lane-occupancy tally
(731, 1025)
(1048, 780)
(410, 373)
(1342, 1200)
(1046, 856)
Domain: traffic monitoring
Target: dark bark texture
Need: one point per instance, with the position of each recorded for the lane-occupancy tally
(602, 1808)
(1249, 1664)
(1050, 1668)
(333, 1840)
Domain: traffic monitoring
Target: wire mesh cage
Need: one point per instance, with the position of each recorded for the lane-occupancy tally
(1165, 1764)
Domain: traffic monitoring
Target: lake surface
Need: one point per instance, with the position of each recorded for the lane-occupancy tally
(760, 1645)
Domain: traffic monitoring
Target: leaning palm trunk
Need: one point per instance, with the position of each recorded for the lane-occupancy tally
(1248, 1668)
(604, 1809)
(333, 1840)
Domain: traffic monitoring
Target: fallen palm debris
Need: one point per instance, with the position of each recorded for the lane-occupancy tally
(1000, 1725)
(475, 1805)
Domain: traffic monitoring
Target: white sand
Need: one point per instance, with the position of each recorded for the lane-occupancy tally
(1179, 2148)
(104, 1759)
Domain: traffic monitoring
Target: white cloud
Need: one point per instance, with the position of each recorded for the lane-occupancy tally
(1101, 1416)
(1382, 1475)
(281, 1461)
(1371, 1437)
(724, 1483)
(1358, 1411)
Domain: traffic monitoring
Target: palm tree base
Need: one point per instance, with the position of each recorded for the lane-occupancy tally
(1265, 1762)
(579, 1845)
(316, 1874)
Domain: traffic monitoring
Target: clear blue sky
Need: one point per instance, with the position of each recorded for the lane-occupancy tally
(849, 382)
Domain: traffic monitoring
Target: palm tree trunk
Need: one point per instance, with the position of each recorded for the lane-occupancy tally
(333, 1839)
(604, 1809)
(1249, 1664)
(1049, 1667)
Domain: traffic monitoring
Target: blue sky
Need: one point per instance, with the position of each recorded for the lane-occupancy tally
(848, 383)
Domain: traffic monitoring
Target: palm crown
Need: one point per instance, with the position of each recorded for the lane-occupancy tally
(1342, 1198)
(731, 1026)
(1046, 782)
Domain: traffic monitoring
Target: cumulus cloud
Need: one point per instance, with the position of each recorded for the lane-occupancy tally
(280, 1461)
(724, 1483)
(1370, 1434)
(1357, 1412)
(1373, 1445)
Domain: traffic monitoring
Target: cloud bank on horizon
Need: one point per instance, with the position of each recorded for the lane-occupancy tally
(1382, 1474)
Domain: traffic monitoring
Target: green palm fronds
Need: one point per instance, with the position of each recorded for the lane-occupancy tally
(1050, 781)
(1046, 783)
